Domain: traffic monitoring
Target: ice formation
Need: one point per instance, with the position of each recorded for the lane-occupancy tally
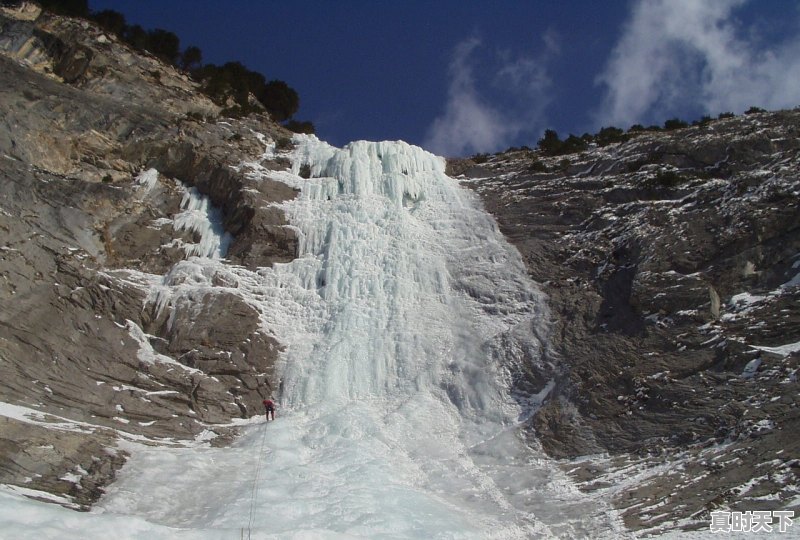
(403, 318)
(147, 180)
(199, 216)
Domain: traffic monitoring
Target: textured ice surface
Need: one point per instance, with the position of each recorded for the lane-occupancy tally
(199, 216)
(401, 318)
(147, 180)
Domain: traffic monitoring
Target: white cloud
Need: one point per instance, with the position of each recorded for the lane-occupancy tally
(470, 123)
(677, 54)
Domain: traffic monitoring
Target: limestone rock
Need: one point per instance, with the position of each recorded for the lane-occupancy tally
(85, 244)
(670, 262)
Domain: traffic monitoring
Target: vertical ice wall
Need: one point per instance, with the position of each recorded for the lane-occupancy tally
(415, 278)
(402, 418)
(396, 417)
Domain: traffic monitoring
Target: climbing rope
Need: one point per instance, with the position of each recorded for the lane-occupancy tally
(254, 490)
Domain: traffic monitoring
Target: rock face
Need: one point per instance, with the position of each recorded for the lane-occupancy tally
(671, 261)
(89, 357)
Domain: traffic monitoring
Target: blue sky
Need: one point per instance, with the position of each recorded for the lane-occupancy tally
(460, 77)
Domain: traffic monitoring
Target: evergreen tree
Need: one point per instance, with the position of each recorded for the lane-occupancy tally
(111, 21)
(573, 144)
(675, 123)
(280, 100)
(135, 36)
(163, 44)
(70, 8)
(191, 58)
(550, 143)
(608, 135)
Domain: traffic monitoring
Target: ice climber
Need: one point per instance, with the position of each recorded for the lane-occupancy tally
(269, 407)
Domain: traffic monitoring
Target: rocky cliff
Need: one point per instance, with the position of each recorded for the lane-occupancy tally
(672, 266)
(112, 166)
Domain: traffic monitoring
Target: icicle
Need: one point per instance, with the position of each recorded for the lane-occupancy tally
(201, 217)
(147, 180)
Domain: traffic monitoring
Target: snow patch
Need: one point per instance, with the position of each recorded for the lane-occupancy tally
(783, 350)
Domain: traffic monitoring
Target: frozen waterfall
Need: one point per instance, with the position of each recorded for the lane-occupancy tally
(404, 316)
